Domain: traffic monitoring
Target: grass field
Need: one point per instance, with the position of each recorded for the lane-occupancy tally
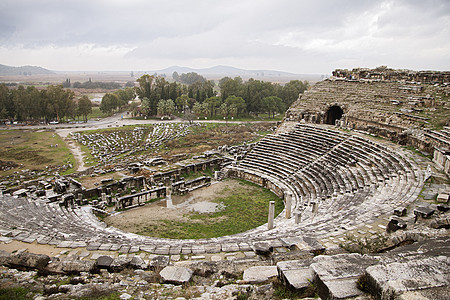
(32, 150)
(244, 208)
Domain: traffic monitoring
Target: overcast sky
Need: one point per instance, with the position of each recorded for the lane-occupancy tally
(293, 36)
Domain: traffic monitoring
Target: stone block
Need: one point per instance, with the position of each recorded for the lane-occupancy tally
(391, 280)
(335, 276)
(395, 224)
(119, 263)
(260, 274)
(400, 211)
(29, 260)
(176, 275)
(158, 262)
(424, 212)
(104, 261)
(262, 248)
(230, 247)
(296, 274)
(443, 198)
(138, 263)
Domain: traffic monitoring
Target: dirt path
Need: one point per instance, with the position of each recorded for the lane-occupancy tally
(77, 153)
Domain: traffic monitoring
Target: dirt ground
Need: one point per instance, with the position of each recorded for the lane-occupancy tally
(154, 213)
(32, 248)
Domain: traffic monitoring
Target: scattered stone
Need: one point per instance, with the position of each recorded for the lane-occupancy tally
(158, 262)
(104, 261)
(176, 275)
(443, 198)
(260, 274)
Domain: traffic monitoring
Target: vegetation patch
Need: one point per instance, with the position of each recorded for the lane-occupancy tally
(242, 206)
(16, 293)
(32, 150)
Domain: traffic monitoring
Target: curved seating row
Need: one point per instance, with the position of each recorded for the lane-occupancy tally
(337, 181)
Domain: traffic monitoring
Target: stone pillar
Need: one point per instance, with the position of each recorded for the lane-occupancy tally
(216, 175)
(271, 215)
(288, 205)
(104, 197)
(298, 217)
(169, 203)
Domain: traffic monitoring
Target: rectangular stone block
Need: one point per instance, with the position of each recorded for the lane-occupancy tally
(92, 246)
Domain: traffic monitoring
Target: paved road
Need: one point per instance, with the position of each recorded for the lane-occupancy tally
(114, 121)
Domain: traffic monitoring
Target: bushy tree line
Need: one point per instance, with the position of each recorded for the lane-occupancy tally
(91, 85)
(117, 100)
(52, 103)
(236, 97)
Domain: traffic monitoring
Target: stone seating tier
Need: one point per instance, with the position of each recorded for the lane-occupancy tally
(337, 180)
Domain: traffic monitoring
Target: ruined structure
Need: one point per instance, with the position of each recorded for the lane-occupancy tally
(395, 104)
(335, 179)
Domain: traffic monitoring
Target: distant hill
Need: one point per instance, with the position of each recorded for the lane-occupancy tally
(222, 71)
(24, 70)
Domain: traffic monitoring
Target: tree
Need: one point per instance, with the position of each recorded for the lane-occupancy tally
(7, 109)
(237, 103)
(165, 107)
(146, 90)
(182, 102)
(84, 107)
(109, 103)
(272, 105)
(61, 101)
(227, 111)
(200, 109)
(125, 95)
(213, 104)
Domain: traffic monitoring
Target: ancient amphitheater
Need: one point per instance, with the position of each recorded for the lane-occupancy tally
(336, 179)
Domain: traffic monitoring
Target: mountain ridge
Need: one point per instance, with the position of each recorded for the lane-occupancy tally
(23, 70)
(222, 70)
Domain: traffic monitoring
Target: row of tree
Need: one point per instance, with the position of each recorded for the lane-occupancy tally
(52, 103)
(235, 98)
(95, 85)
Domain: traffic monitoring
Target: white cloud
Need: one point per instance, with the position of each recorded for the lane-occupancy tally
(295, 36)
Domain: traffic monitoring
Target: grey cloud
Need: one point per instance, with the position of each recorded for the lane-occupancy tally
(288, 34)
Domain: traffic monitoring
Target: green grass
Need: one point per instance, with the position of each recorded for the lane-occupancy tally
(98, 114)
(15, 293)
(245, 208)
(33, 150)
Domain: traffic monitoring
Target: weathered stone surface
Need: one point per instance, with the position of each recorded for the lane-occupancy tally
(424, 212)
(104, 261)
(260, 274)
(138, 263)
(335, 276)
(395, 278)
(4, 257)
(443, 198)
(395, 224)
(176, 275)
(70, 266)
(29, 260)
(159, 262)
(119, 263)
(262, 248)
(296, 274)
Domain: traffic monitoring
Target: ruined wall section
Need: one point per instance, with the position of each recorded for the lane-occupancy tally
(388, 106)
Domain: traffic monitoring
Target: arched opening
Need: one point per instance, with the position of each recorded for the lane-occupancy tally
(333, 113)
